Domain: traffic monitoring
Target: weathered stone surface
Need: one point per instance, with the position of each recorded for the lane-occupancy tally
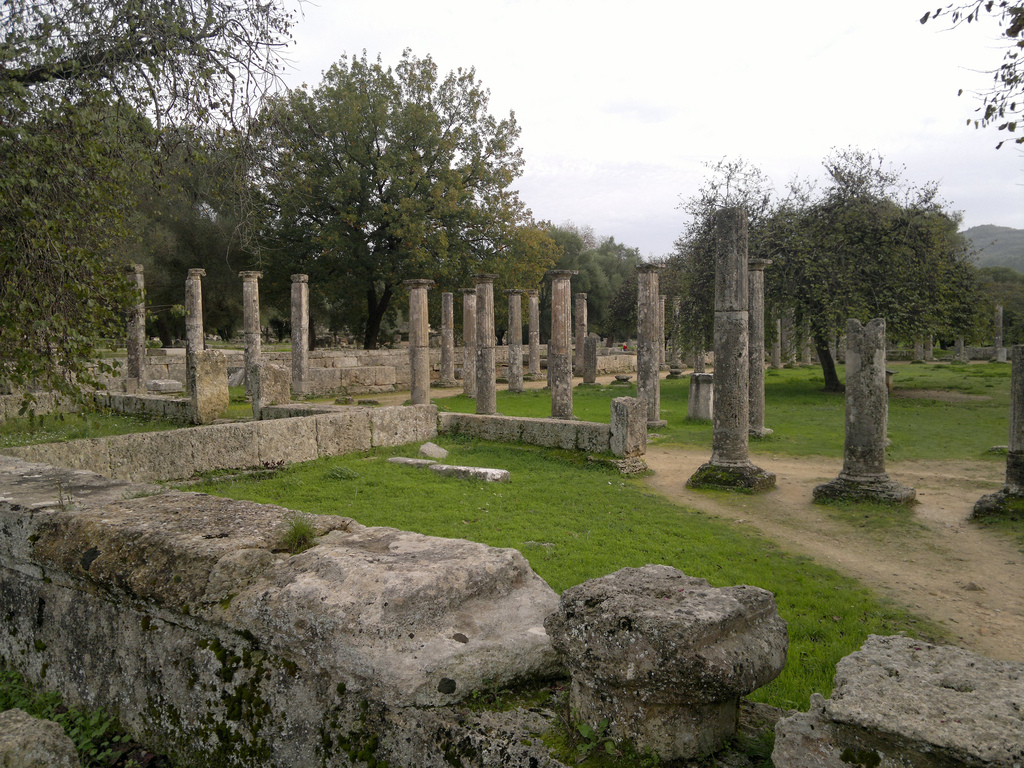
(145, 456)
(560, 344)
(447, 378)
(178, 612)
(433, 451)
(268, 385)
(338, 433)
(399, 425)
(665, 657)
(590, 359)
(501, 429)
(700, 404)
(628, 427)
(27, 742)
(550, 433)
(286, 441)
(592, 437)
(419, 341)
(208, 386)
(164, 385)
(409, 462)
(902, 702)
(485, 474)
(649, 346)
(227, 446)
(300, 334)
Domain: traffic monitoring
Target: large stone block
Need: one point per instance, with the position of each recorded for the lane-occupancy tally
(593, 437)
(152, 456)
(287, 441)
(901, 702)
(402, 424)
(269, 384)
(338, 433)
(27, 742)
(502, 429)
(208, 386)
(665, 657)
(628, 427)
(225, 446)
(550, 433)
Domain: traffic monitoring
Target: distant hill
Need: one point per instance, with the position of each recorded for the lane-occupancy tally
(997, 246)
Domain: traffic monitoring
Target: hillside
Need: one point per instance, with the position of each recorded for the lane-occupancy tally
(998, 246)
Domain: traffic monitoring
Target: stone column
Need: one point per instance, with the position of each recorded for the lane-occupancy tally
(648, 347)
(677, 344)
(867, 417)
(590, 359)
(300, 334)
(251, 319)
(195, 341)
(559, 364)
(580, 333)
(929, 353)
(755, 395)
(137, 327)
(1009, 500)
(419, 341)
(534, 339)
(661, 329)
(469, 341)
(919, 350)
(447, 378)
(486, 386)
(1000, 349)
(808, 358)
(700, 405)
(730, 466)
(700, 358)
(777, 346)
(959, 354)
(515, 340)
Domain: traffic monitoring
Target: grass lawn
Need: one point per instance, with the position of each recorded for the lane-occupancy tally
(59, 428)
(574, 520)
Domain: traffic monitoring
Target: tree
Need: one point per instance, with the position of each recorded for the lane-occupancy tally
(1004, 101)
(379, 175)
(90, 91)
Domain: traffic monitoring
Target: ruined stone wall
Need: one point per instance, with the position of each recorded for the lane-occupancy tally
(550, 433)
(181, 453)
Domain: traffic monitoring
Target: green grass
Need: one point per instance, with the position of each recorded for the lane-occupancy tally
(576, 520)
(57, 428)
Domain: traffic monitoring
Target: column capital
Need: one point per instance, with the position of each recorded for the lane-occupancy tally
(559, 274)
(468, 291)
(515, 291)
(134, 269)
(195, 274)
(418, 283)
(533, 292)
(484, 278)
(756, 265)
(247, 276)
(300, 278)
(648, 267)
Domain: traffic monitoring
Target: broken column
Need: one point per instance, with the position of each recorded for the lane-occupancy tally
(194, 338)
(208, 386)
(515, 340)
(590, 359)
(665, 657)
(1010, 500)
(960, 352)
(469, 341)
(137, 326)
(700, 405)
(648, 348)
(447, 378)
(251, 318)
(730, 465)
(534, 338)
(300, 334)
(661, 330)
(268, 385)
(486, 385)
(929, 352)
(628, 427)
(919, 350)
(419, 341)
(559, 345)
(867, 417)
(755, 394)
(581, 333)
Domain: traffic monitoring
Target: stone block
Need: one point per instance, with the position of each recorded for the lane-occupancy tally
(433, 451)
(286, 440)
(269, 384)
(149, 456)
(28, 742)
(164, 385)
(628, 427)
(400, 425)
(665, 657)
(340, 433)
(701, 401)
(226, 446)
(408, 462)
(501, 429)
(902, 702)
(550, 433)
(482, 474)
(208, 386)
(593, 437)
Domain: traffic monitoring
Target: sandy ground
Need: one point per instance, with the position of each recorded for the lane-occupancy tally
(962, 576)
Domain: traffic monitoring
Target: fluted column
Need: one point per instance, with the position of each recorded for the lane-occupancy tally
(648, 354)
(194, 339)
(580, 327)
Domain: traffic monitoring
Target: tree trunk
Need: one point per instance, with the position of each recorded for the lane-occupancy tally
(375, 315)
(828, 366)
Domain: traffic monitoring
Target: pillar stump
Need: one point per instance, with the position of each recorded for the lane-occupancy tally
(867, 416)
(1009, 502)
(755, 395)
(195, 341)
(469, 342)
(136, 368)
(300, 334)
(700, 406)
(251, 319)
(486, 384)
(730, 467)
(590, 359)
(447, 377)
(515, 340)
(559, 345)
(534, 338)
(419, 341)
(649, 346)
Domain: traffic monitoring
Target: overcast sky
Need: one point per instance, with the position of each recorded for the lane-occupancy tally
(622, 103)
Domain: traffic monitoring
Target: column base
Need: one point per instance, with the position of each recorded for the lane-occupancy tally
(759, 432)
(1007, 503)
(732, 478)
(445, 383)
(879, 488)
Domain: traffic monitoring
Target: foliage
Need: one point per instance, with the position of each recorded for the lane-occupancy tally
(1004, 102)
(1002, 285)
(300, 535)
(380, 175)
(76, 78)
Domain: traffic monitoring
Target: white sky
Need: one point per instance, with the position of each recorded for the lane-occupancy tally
(621, 103)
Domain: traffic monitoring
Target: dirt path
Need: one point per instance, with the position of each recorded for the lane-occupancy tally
(964, 577)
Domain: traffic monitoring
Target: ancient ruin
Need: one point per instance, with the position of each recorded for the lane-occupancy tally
(756, 347)
(251, 319)
(486, 386)
(534, 332)
(560, 344)
(649, 343)
(447, 377)
(515, 340)
(137, 327)
(867, 418)
(580, 326)
(419, 341)
(469, 341)
(1010, 499)
(701, 401)
(300, 334)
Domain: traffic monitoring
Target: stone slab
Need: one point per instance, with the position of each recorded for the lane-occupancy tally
(473, 473)
(410, 462)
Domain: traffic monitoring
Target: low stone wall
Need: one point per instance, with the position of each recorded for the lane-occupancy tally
(181, 453)
(159, 406)
(550, 433)
(179, 614)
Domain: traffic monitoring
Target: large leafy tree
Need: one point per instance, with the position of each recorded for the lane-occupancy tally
(1003, 103)
(379, 175)
(90, 91)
